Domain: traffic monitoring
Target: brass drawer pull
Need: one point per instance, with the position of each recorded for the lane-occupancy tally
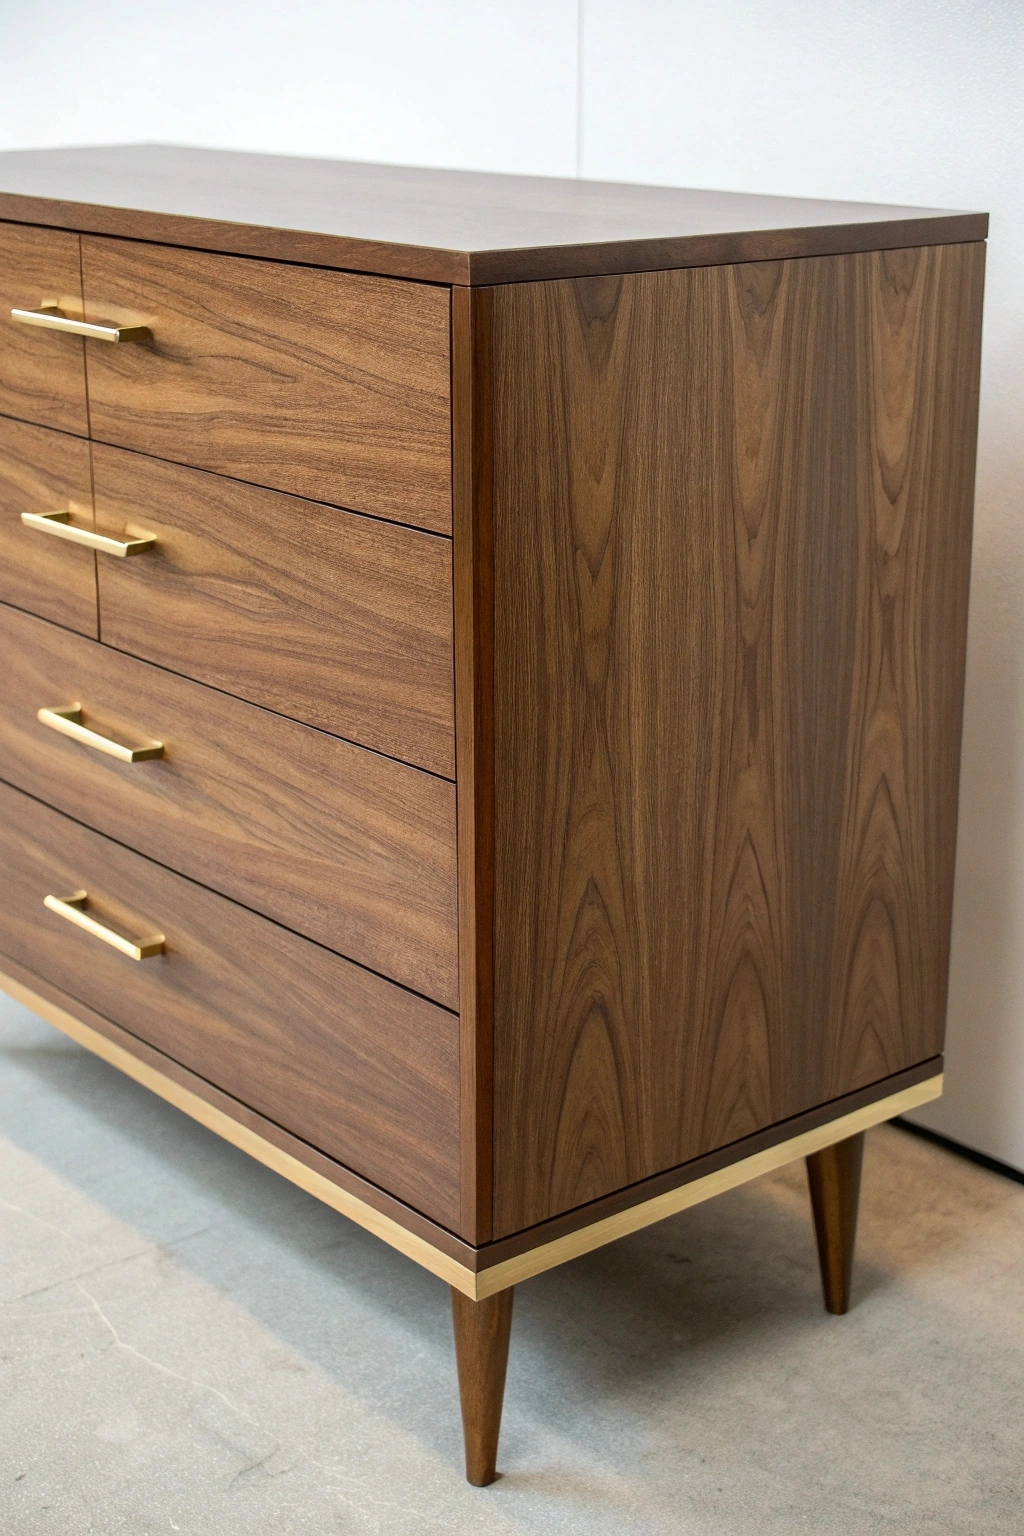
(73, 909)
(69, 723)
(50, 318)
(57, 523)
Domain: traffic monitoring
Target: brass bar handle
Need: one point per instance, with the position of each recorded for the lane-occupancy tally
(72, 908)
(57, 523)
(50, 318)
(69, 723)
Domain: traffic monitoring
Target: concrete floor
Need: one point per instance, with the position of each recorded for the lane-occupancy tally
(187, 1343)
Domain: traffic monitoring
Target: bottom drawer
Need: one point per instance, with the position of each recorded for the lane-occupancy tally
(352, 1064)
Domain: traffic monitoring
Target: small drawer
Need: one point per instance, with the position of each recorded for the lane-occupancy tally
(341, 621)
(340, 844)
(357, 1067)
(45, 472)
(42, 372)
(327, 384)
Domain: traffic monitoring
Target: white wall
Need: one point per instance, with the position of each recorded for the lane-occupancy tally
(918, 101)
(486, 84)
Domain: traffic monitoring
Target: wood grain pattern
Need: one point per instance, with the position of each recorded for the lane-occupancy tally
(359, 1068)
(442, 226)
(834, 1178)
(43, 471)
(412, 1233)
(482, 1330)
(42, 376)
(712, 1170)
(732, 528)
(330, 385)
(535, 1257)
(340, 621)
(477, 1272)
(473, 578)
(340, 844)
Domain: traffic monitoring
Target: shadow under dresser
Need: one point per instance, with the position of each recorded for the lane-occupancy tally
(482, 681)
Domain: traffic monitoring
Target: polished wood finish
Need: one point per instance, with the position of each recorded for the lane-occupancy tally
(627, 1209)
(482, 1330)
(834, 1178)
(43, 471)
(340, 844)
(373, 1208)
(359, 1068)
(732, 518)
(557, 644)
(536, 1257)
(477, 1272)
(443, 226)
(42, 375)
(340, 621)
(473, 561)
(326, 384)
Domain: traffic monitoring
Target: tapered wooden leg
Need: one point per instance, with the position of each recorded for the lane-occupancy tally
(481, 1349)
(834, 1177)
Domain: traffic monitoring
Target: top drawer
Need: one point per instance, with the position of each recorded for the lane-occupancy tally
(42, 374)
(328, 384)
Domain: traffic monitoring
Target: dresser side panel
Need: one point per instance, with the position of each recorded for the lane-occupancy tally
(732, 516)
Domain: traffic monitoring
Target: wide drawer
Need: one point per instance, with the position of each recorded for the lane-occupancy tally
(352, 1064)
(42, 374)
(331, 385)
(341, 844)
(43, 471)
(341, 621)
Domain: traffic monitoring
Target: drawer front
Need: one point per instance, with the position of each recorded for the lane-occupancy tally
(328, 384)
(341, 621)
(340, 844)
(359, 1068)
(42, 374)
(43, 471)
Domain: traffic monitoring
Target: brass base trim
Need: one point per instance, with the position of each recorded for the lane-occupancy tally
(585, 1239)
(513, 1271)
(214, 1119)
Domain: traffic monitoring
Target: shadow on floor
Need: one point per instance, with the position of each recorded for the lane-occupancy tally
(653, 1363)
(700, 1286)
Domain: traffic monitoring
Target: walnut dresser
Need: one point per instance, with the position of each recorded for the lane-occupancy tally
(482, 674)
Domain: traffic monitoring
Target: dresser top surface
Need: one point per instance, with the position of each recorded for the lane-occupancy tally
(436, 225)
